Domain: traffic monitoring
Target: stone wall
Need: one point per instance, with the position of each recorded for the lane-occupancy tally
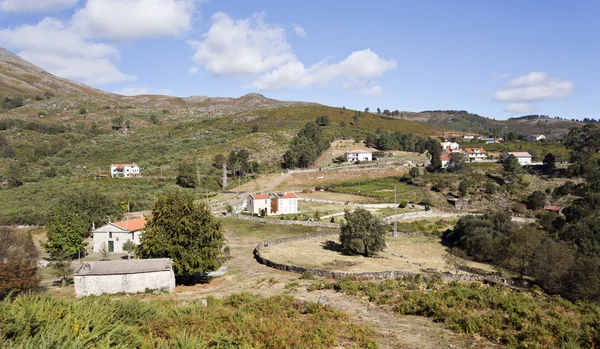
(87, 285)
(390, 274)
(285, 222)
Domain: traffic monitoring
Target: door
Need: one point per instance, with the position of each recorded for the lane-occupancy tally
(111, 246)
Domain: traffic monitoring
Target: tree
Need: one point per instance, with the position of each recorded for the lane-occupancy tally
(66, 233)
(463, 188)
(128, 247)
(306, 147)
(362, 233)
(18, 262)
(238, 162)
(457, 163)
(549, 162)
(185, 231)
(186, 177)
(62, 268)
(355, 119)
(104, 253)
(537, 200)
(91, 205)
(435, 151)
(366, 109)
(322, 120)
(220, 161)
(414, 172)
(511, 165)
(13, 175)
(378, 111)
(455, 259)
(518, 248)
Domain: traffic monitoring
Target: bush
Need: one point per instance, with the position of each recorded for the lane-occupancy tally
(403, 204)
(307, 275)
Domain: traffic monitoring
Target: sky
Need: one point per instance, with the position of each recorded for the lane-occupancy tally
(495, 58)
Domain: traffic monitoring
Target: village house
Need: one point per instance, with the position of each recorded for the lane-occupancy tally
(359, 155)
(284, 203)
(272, 204)
(125, 276)
(471, 136)
(534, 138)
(112, 236)
(524, 158)
(124, 170)
(257, 202)
(476, 154)
(445, 157)
(450, 145)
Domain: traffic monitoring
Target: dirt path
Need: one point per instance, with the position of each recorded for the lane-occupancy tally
(246, 275)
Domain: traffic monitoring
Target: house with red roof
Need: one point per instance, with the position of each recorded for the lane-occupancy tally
(476, 154)
(359, 155)
(113, 235)
(124, 170)
(272, 204)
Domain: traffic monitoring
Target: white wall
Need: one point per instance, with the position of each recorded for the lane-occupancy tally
(524, 161)
(87, 285)
(288, 205)
(119, 238)
(255, 205)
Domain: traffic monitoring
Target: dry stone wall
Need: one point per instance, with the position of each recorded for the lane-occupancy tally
(285, 222)
(390, 274)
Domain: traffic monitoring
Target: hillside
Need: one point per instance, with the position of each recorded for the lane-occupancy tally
(464, 121)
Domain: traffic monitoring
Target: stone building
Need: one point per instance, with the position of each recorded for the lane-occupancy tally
(113, 235)
(128, 276)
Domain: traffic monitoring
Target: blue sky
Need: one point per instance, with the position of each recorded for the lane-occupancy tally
(494, 58)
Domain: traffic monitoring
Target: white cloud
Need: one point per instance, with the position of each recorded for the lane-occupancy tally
(299, 30)
(358, 65)
(29, 6)
(372, 91)
(194, 70)
(133, 19)
(520, 108)
(133, 90)
(63, 52)
(500, 75)
(535, 86)
(242, 47)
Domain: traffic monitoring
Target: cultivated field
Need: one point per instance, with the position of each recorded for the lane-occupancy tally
(412, 254)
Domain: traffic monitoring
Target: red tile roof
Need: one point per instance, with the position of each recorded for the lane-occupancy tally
(474, 150)
(123, 165)
(445, 157)
(132, 224)
(553, 208)
(260, 196)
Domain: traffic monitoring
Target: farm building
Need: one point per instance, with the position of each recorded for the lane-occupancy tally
(112, 236)
(359, 155)
(534, 138)
(128, 276)
(124, 170)
(524, 158)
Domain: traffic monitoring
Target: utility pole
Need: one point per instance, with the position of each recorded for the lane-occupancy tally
(395, 215)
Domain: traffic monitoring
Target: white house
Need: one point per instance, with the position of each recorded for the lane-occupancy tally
(471, 136)
(359, 155)
(445, 159)
(112, 236)
(450, 145)
(257, 202)
(284, 203)
(476, 154)
(534, 138)
(124, 170)
(524, 158)
(128, 276)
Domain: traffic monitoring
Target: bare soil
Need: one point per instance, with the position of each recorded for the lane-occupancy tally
(408, 253)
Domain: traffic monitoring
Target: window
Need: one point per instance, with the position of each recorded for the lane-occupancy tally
(110, 235)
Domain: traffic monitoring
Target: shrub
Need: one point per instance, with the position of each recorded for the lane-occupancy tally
(307, 275)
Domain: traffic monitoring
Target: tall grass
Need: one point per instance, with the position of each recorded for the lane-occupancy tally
(237, 321)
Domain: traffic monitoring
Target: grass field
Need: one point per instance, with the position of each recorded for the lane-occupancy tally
(413, 254)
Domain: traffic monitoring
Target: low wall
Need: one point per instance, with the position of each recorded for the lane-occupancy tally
(87, 285)
(284, 222)
(390, 274)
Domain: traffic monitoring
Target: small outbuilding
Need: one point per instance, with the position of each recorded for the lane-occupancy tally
(359, 155)
(128, 276)
(524, 158)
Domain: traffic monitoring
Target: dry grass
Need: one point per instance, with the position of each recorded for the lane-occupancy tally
(413, 254)
(311, 179)
(337, 197)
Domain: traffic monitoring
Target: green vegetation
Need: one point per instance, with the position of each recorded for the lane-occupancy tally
(236, 321)
(362, 233)
(19, 256)
(516, 319)
(184, 231)
(382, 189)
(306, 147)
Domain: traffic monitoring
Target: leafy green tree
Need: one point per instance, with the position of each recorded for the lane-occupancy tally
(306, 147)
(537, 200)
(362, 233)
(322, 120)
(549, 162)
(511, 165)
(128, 247)
(366, 109)
(18, 266)
(91, 205)
(186, 176)
(457, 163)
(185, 231)
(66, 233)
(61, 268)
(14, 175)
(238, 162)
(378, 111)
(517, 249)
(414, 172)
(463, 188)
(435, 151)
